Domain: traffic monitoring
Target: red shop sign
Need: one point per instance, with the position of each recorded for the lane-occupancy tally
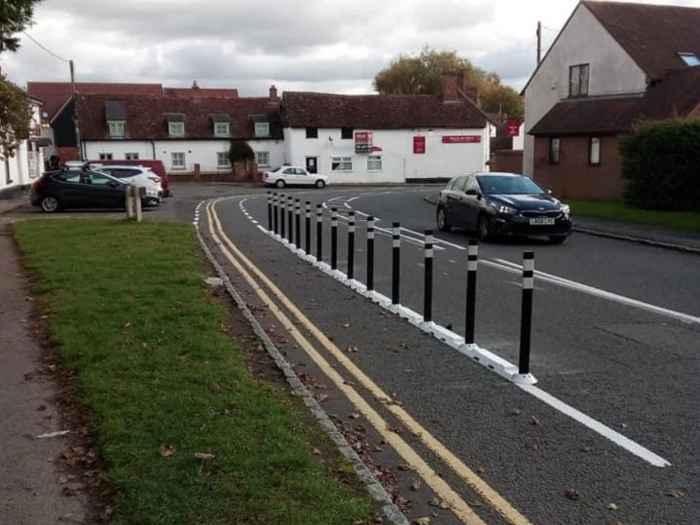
(461, 139)
(418, 145)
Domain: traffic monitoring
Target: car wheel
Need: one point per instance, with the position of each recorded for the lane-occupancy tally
(50, 205)
(280, 183)
(558, 239)
(320, 184)
(483, 228)
(442, 223)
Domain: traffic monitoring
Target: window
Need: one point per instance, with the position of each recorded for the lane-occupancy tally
(106, 156)
(222, 160)
(116, 129)
(262, 129)
(290, 171)
(99, 180)
(578, 80)
(594, 151)
(131, 156)
(690, 59)
(262, 158)
(374, 163)
(311, 133)
(460, 184)
(341, 164)
(176, 129)
(221, 129)
(346, 133)
(554, 150)
(121, 173)
(177, 160)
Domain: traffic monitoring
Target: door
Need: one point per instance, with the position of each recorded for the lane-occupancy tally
(471, 202)
(304, 177)
(456, 201)
(106, 192)
(71, 189)
(312, 164)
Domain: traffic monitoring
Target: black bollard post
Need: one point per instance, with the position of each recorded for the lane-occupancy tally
(319, 233)
(526, 311)
(283, 216)
(307, 237)
(472, 257)
(334, 238)
(269, 211)
(290, 220)
(297, 234)
(428, 289)
(275, 224)
(396, 266)
(370, 253)
(351, 245)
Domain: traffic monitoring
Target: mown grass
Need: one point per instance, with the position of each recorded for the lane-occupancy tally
(128, 308)
(616, 211)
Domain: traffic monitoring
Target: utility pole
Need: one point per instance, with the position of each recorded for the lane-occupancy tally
(539, 42)
(75, 111)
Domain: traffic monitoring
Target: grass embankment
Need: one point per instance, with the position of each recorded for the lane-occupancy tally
(132, 318)
(616, 211)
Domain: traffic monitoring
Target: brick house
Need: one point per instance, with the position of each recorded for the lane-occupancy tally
(611, 65)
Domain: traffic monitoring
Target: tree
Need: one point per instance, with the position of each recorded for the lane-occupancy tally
(15, 16)
(422, 75)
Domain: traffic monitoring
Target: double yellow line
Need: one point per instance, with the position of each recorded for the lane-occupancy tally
(247, 269)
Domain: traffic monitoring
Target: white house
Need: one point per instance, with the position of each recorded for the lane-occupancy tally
(386, 138)
(18, 172)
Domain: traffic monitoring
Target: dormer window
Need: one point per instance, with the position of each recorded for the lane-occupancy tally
(115, 114)
(262, 126)
(116, 129)
(222, 125)
(176, 124)
(690, 59)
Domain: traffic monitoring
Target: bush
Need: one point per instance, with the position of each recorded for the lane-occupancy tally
(661, 164)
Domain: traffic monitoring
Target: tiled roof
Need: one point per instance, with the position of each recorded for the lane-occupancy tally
(678, 94)
(201, 92)
(146, 116)
(324, 110)
(55, 94)
(653, 35)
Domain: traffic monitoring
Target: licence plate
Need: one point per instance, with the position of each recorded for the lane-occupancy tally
(541, 221)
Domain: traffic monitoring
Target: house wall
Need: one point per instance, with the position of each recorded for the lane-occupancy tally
(399, 163)
(18, 172)
(202, 152)
(574, 177)
(583, 40)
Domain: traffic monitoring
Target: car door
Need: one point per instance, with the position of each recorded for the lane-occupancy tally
(471, 202)
(106, 191)
(304, 177)
(70, 188)
(289, 175)
(457, 200)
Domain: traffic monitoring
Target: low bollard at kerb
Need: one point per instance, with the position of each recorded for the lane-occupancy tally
(290, 219)
(428, 279)
(334, 238)
(526, 312)
(351, 245)
(307, 232)
(297, 234)
(269, 211)
(472, 260)
(396, 263)
(275, 210)
(319, 233)
(370, 253)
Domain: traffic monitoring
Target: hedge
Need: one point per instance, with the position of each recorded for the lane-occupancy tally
(661, 164)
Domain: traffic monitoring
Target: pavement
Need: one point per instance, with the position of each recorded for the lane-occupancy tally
(684, 241)
(615, 337)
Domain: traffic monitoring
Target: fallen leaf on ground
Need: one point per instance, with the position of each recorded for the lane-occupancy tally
(167, 450)
(204, 455)
(480, 470)
(515, 412)
(354, 415)
(586, 448)
(127, 325)
(535, 421)
(676, 494)
(322, 398)
(423, 521)
(58, 433)
(474, 504)
(623, 425)
(612, 506)
(316, 452)
(416, 484)
(573, 495)
(346, 325)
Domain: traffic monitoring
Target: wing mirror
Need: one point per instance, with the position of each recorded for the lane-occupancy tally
(472, 192)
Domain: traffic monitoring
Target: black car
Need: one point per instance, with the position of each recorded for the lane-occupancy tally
(502, 204)
(58, 190)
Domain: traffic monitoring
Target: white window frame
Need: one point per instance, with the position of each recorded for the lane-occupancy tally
(222, 129)
(266, 155)
(594, 151)
(219, 164)
(176, 129)
(579, 83)
(341, 161)
(131, 156)
(262, 129)
(178, 167)
(117, 129)
(106, 156)
(375, 160)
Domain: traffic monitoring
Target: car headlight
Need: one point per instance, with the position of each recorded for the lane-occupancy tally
(566, 210)
(506, 210)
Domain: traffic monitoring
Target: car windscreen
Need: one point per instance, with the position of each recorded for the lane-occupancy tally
(504, 185)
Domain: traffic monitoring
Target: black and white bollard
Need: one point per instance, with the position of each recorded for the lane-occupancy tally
(283, 216)
(370, 253)
(269, 211)
(396, 262)
(472, 258)
(275, 210)
(297, 218)
(290, 220)
(319, 233)
(526, 312)
(334, 238)
(351, 245)
(307, 232)
(428, 281)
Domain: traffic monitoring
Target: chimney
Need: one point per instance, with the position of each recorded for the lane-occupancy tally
(273, 93)
(450, 86)
(472, 93)
(194, 85)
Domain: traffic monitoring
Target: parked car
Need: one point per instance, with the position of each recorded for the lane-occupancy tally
(138, 176)
(293, 176)
(156, 166)
(59, 190)
(502, 204)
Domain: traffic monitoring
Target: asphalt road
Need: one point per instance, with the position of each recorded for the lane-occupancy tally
(630, 366)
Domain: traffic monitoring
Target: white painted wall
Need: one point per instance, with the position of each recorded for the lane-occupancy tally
(398, 161)
(202, 152)
(519, 141)
(582, 41)
(20, 174)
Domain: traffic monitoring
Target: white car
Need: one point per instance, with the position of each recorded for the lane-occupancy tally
(138, 176)
(293, 176)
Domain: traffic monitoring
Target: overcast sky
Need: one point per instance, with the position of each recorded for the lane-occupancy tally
(317, 45)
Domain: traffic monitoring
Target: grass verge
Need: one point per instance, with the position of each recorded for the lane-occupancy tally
(615, 211)
(128, 308)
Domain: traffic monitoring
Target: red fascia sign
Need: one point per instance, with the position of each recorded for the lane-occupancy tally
(461, 139)
(419, 145)
(512, 128)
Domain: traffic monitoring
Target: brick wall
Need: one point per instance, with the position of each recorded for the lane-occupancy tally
(574, 177)
(66, 154)
(510, 161)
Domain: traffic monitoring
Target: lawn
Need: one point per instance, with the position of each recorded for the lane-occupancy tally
(189, 436)
(616, 211)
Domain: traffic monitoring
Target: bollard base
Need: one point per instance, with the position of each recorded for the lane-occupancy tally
(523, 379)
